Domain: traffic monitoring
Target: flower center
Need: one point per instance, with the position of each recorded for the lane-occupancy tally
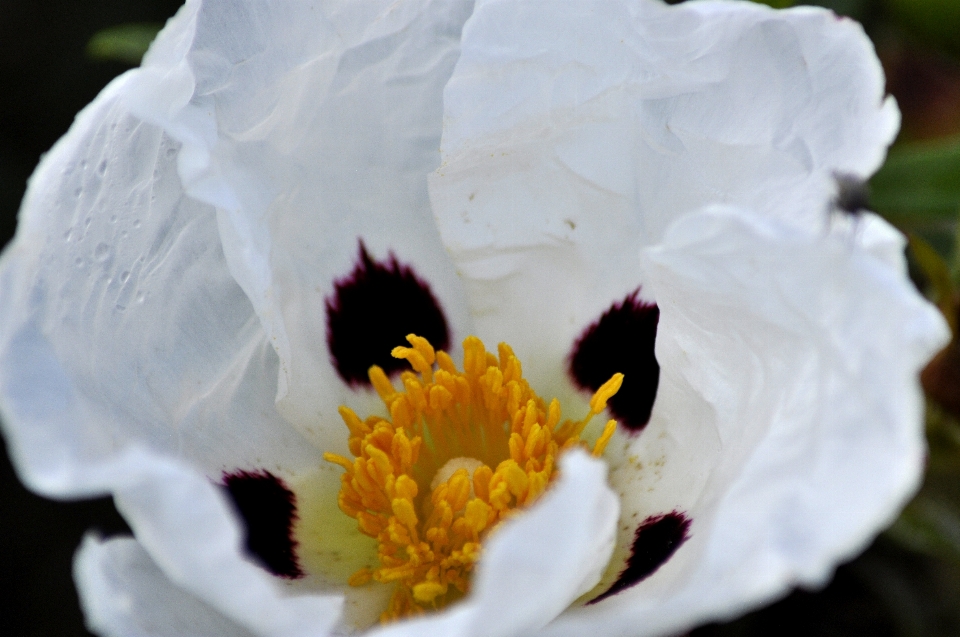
(461, 452)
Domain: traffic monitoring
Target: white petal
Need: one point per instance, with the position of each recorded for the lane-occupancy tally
(575, 132)
(310, 126)
(124, 594)
(125, 333)
(121, 322)
(186, 525)
(538, 563)
(132, 362)
(788, 423)
(874, 235)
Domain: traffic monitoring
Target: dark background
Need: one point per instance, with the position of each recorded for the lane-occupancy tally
(46, 77)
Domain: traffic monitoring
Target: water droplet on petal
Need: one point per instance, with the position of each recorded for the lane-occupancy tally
(102, 252)
(124, 276)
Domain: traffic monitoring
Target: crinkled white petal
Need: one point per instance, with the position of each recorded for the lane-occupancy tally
(121, 322)
(310, 126)
(185, 524)
(131, 361)
(187, 230)
(124, 594)
(176, 250)
(575, 132)
(788, 422)
(538, 563)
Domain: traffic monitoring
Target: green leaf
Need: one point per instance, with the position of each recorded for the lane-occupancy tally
(937, 272)
(123, 43)
(934, 22)
(919, 183)
(929, 525)
(776, 4)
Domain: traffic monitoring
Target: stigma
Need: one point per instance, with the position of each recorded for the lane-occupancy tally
(461, 452)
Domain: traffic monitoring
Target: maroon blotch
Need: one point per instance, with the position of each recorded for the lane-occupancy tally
(621, 340)
(268, 509)
(656, 540)
(372, 310)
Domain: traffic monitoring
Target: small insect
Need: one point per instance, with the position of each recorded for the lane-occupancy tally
(853, 194)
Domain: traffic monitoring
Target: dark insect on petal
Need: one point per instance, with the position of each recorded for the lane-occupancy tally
(269, 510)
(372, 310)
(656, 540)
(621, 341)
(853, 194)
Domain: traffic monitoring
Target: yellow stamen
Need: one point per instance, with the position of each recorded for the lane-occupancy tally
(422, 482)
(604, 438)
(599, 401)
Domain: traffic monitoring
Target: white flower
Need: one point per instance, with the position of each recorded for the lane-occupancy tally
(184, 250)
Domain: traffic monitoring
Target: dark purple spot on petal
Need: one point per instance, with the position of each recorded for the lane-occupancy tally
(621, 341)
(268, 509)
(372, 310)
(656, 540)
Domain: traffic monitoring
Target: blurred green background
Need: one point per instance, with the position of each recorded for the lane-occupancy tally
(55, 55)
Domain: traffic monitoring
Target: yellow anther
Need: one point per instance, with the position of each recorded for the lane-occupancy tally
(440, 397)
(506, 353)
(416, 359)
(553, 414)
(538, 483)
(426, 592)
(361, 577)
(423, 346)
(370, 525)
(422, 482)
(536, 439)
(476, 515)
(338, 459)
(459, 489)
(599, 401)
(516, 447)
(514, 476)
(604, 438)
(381, 383)
(529, 418)
(379, 465)
(402, 449)
(481, 482)
(474, 357)
(446, 363)
(416, 395)
(403, 509)
(356, 426)
(406, 487)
